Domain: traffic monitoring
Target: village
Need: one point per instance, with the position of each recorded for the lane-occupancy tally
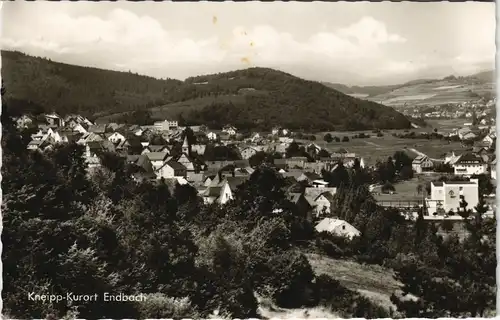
(216, 162)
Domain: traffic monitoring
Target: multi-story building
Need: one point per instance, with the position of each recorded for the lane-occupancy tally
(447, 196)
(469, 164)
(166, 125)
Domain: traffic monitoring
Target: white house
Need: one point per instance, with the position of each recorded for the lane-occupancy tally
(489, 139)
(212, 136)
(421, 163)
(229, 130)
(469, 164)
(446, 196)
(157, 159)
(199, 148)
(323, 203)
(23, 121)
(248, 152)
(337, 227)
(171, 169)
(79, 128)
(116, 137)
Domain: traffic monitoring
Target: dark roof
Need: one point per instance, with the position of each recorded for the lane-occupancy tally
(459, 182)
(97, 128)
(156, 156)
(242, 163)
(133, 158)
(438, 183)
(280, 161)
(95, 145)
(327, 195)
(470, 157)
(156, 148)
(213, 191)
(312, 175)
(144, 163)
(234, 182)
(294, 197)
(176, 165)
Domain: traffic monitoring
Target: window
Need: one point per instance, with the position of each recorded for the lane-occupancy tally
(343, 227)
(460, 188)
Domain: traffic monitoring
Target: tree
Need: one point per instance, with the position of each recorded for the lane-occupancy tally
(345, 139)
(388, 187)
(420, 188)
(328, 137)
(401, 159)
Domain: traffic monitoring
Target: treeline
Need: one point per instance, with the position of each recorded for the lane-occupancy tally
(267, 97)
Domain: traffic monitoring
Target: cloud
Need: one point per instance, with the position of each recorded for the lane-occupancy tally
(125, 40)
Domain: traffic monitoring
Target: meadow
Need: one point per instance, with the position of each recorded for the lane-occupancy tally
(374, 282)
(380, 148)
(434, 93)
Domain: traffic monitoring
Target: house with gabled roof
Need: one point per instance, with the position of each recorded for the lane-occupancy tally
(337, 227)
(97, 128)
(222, 191)
(54, 120)
(24, 121)
(422, 163)
(470, 164)
(171, 169)
(157, 159)
(186, 161)
(114, 137)
(230, 130)
(300, 202)
(248, 151)
(156, 148)
(88, 137)
(318, 198)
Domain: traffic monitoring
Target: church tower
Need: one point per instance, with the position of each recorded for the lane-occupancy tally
(185, 146)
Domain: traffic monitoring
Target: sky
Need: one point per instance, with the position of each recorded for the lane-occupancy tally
(352, 43)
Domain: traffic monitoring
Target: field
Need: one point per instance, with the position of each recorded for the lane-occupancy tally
(434, 93)
(374, 282)
(379, 148)
(407, 190)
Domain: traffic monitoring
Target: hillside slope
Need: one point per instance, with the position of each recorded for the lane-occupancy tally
(256, 97)
(450, 89)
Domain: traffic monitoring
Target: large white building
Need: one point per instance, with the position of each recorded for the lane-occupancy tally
(469, 164)
(447, 196)
(166, 125)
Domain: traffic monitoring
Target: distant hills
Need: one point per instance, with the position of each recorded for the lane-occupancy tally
(450, 89)
(250, 98)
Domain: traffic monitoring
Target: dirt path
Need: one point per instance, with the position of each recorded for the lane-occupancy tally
(372, 143)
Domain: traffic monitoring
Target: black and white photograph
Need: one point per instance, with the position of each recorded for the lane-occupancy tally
(265, 160)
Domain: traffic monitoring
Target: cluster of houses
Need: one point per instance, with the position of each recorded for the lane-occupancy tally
(482, 109)
(178, 160)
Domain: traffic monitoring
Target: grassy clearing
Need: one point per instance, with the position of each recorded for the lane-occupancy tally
(268, 310)
(407, 190)
(374, 282)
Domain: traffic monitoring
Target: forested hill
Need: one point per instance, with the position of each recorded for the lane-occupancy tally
(255, 97)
